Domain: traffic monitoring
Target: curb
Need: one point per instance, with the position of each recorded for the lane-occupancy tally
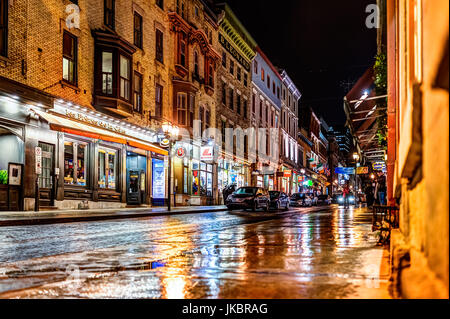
(75, 219)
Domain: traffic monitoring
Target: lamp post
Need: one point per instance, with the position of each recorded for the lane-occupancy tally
(356, 158)
(171, 133)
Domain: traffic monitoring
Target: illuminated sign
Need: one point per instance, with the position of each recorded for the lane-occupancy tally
(344, 170)
(164, 142)
(287, 173)
(181, 152)
(379, 166)
(207, 153)
(301, 179)
(88, 120)
(362, 170)
(234, 52)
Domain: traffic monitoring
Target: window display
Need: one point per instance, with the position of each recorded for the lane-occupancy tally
(107, 169)
(75, 163)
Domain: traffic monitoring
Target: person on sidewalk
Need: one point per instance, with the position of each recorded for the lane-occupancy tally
(346, 194)
(369, 195)
(381, 189)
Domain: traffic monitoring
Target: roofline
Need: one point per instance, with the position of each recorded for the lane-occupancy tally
(266, 59)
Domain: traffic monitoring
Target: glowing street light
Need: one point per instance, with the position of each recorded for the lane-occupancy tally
(171, 133)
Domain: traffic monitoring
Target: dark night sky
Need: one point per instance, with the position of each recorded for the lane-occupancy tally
(320, 43)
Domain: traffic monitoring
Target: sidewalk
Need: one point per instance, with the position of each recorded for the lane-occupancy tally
(72, 216)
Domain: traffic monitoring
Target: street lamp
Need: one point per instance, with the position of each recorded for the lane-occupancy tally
(171, 133)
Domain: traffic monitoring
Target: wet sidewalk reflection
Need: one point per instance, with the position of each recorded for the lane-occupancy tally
(307, 253)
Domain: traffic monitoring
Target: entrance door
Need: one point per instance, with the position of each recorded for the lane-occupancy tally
(134, 188)
(46, 185)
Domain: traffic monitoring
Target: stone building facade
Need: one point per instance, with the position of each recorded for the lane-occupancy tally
(193, 69)
(265, 116)
(83, 78)
(418, 153)
(234, 77)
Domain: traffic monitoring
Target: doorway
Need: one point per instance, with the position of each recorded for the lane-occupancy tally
(136, 179)
(46, 179)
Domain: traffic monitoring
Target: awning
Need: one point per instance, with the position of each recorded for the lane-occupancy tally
(61, 124)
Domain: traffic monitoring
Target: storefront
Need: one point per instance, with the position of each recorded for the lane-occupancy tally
(194, 176)
(79, 157)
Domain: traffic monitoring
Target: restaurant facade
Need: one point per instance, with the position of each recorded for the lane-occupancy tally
(72, 157)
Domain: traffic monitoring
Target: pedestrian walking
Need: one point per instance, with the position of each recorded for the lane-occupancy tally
(346, 194)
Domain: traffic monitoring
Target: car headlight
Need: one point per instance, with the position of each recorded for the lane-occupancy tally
(341, 199)
(352, 199)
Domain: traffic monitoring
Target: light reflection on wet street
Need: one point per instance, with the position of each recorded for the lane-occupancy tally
(308, 253)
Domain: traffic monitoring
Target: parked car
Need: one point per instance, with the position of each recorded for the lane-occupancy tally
(324, 200)
(314, 198)
(300, 200)
(249, 198)
(279, 200)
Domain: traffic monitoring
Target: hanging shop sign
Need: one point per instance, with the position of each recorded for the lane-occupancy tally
(344, 170)
(164, 142)
(379, 166)
(181, 152)
(301, 179)
(207, 153)
(287, 173)
(362, 170)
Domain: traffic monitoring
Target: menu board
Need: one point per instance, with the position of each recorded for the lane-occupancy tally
(159, 180)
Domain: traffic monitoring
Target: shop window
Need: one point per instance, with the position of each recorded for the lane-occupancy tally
(137, 92)
(159, 46)
(75, 163)
(202, 179)
(182, 108)
(109, 13)
(70, 48)
(107, 169)
(4, 27)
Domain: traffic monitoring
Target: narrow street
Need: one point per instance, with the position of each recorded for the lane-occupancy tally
(320, 252)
